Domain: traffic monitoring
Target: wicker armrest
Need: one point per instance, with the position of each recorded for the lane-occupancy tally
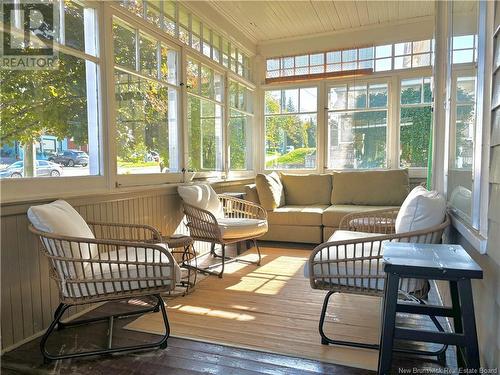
(242, 209)
(202, 224)
(376, 221)
(126, 232)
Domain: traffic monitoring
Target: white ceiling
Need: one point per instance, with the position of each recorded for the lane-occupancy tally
(263, 21)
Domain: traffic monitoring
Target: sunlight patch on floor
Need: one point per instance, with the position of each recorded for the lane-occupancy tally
(197, 310)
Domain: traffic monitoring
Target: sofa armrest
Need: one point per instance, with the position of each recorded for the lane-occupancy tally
(251, 193)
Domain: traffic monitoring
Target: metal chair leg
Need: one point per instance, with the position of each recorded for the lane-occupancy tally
(221, 273)
(109, 350)
(258, 250)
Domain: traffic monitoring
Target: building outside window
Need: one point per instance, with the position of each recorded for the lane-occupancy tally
(357, 126)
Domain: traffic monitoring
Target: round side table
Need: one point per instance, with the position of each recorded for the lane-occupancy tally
(182, 249)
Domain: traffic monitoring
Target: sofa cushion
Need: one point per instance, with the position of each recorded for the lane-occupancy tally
(375, 188)
(202, 196)
(307, 189)
(333, 215)
(422, 209)
(297, 215)
(251, 193)
(231, 228)
(270, 190)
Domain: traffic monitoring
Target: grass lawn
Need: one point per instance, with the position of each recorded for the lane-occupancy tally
(294, 157)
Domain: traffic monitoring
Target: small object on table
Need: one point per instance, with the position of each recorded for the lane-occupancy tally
(431, 262)
(187, 255)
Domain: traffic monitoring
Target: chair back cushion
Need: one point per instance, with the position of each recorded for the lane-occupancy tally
(270, 190)
(202, 196)
(307, 189)
(61, 218)
(371, 188)
(422, 209)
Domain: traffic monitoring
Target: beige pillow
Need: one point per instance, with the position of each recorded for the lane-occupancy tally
(270, 190)
(307, 189)
(371, 188)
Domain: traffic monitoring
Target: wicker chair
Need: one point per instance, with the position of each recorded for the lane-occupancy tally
(352, 263)
(238, 220)
(112, 262)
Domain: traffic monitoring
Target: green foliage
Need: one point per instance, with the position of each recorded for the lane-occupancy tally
(293, 159)
(36, 102)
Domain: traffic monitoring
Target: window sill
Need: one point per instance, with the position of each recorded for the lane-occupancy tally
(472, 235)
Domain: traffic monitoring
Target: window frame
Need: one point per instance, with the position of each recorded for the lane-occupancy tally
(24, 188)
(319, 127)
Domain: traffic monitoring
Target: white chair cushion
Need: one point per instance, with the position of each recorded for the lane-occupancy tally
(202, 196)
(422, 209)
(61, 218)
(232, 228)
(359, 267)
(114, 270)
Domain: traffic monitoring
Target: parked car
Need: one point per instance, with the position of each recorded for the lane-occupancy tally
(71, 158)
(43, 168)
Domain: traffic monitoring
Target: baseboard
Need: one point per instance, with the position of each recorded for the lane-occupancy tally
(40, 333)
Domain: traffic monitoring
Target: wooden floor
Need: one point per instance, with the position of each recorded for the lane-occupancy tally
(181, 357)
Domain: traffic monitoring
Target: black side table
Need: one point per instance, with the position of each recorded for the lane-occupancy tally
(431, 262)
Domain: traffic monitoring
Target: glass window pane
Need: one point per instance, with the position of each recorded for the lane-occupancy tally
(466, 89)
(168, 68)
(291, 141)
(402, 49)
(402, 62)
(350, 55)
(378, 96)
(308, 100)
(357, 139)
(142, 124)
(193, 79)
(337, 97)
(415, 130)
(421, 60)
(463, 56)
(383, 51)
(153, 11)
(301, 61)
(148, 58)
(273, 64)
(290, 101)
(411, 91)
(124, 45)
(421, 46)
(366, 53)
(60, 120)
(317, 59)
(207, 82)
(333, 57)
(204, 134)
(356, 97)
(74, 25)
(383, 65)
(349, 66)
(273, 101)
(463, 42)
(239, 138)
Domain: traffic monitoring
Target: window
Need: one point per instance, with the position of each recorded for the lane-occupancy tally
(205, 107)
(412, 54)
(146, 102)
(240, 120)
(48, 112)
(291, 128)
(415, 122)
(357, 126)
(464, 49)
